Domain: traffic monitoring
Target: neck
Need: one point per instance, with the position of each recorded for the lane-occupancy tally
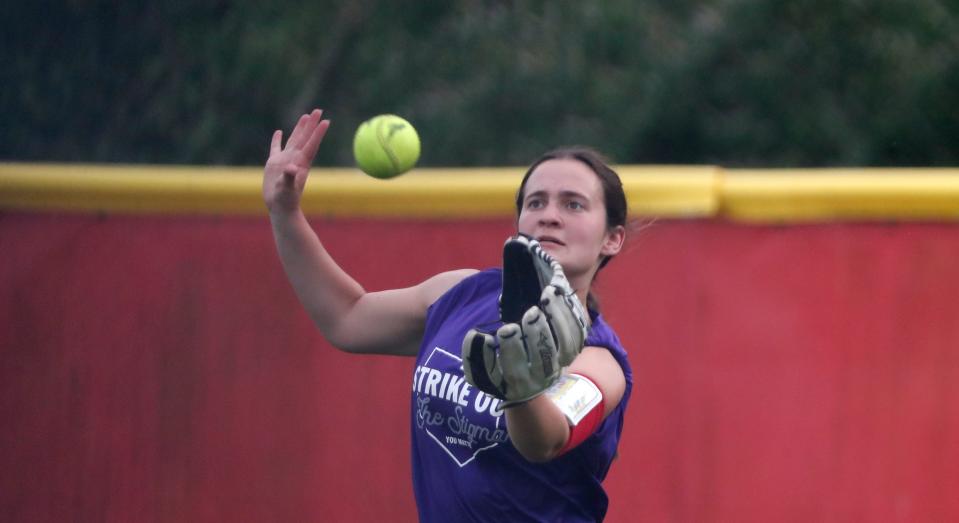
(581, 290)
(581, 284)
(582, 294)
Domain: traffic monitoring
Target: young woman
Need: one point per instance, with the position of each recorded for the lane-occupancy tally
(472, 460)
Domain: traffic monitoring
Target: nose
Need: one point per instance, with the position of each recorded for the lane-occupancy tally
(549, 216)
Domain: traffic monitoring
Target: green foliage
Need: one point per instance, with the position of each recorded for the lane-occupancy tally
(734, 83)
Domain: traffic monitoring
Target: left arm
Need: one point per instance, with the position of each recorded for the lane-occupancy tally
(539, 430)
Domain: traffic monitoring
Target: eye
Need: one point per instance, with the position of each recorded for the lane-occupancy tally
(534, 203)
(575, 205)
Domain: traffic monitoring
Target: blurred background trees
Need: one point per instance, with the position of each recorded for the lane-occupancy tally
(727, 82)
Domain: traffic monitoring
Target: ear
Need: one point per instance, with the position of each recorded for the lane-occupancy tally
(613, 242)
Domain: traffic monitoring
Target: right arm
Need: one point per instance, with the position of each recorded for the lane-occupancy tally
(353, 320)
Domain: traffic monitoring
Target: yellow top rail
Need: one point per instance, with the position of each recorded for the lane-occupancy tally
(751, 195)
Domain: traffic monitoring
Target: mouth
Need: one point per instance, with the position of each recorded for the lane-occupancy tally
(546, 240)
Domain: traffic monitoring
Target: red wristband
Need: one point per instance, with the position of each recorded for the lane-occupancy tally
(586, 426)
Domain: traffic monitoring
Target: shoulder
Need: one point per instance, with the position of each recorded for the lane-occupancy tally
(438, 285)
(608, 357)
(601, 335)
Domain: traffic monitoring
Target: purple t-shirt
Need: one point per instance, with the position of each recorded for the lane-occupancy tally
(464, 466)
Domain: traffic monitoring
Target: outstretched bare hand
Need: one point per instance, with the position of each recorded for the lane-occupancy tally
(287, 168)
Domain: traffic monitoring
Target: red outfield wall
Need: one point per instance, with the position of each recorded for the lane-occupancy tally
(160, 369)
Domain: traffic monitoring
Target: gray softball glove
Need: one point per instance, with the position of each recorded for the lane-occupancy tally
(544, 328)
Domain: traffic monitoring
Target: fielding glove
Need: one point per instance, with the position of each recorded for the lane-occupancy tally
(516, 365)
(544, 328)
(531, 277)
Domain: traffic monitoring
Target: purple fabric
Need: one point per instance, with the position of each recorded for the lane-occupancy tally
(464, 466)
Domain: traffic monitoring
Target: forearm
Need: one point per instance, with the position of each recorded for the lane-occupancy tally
(326, 291)
(537, 429)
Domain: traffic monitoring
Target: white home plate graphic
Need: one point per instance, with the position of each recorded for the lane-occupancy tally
(462, 420)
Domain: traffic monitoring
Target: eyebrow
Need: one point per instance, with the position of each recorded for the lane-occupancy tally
(562, 194)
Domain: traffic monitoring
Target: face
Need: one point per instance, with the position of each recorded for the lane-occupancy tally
(563, 208)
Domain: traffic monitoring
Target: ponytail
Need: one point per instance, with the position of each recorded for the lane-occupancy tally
(592, 304)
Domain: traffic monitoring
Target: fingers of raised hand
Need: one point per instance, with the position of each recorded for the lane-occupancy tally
(303, 129)
(276, 142)
(316, 137)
